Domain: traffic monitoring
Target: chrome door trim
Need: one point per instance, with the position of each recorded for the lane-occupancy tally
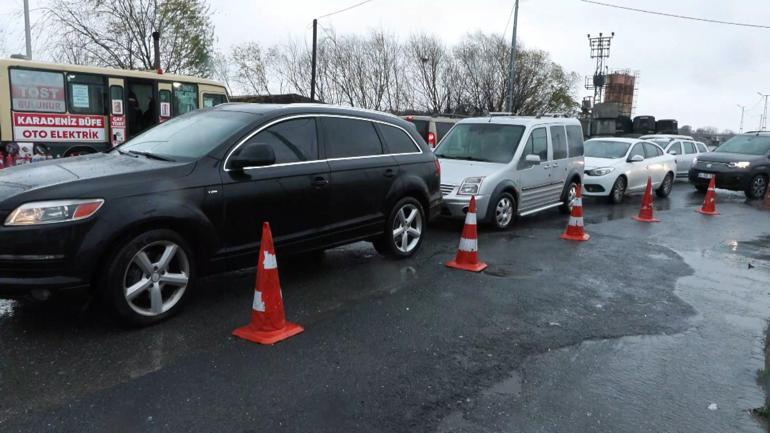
(315, 115)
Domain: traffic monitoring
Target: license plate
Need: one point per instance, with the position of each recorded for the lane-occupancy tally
(705, 175)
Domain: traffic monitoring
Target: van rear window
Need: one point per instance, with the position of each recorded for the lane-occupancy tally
(422, 128)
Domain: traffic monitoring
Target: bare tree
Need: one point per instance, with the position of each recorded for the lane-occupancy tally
(117, 33)
(249, 68)
(428, 69)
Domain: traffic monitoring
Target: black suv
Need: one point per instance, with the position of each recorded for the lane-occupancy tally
(742, 163)
(140, 223)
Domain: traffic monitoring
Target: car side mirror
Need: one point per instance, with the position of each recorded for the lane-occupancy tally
(673, 152)
(255, 155)
(636, 158)
(532, 158)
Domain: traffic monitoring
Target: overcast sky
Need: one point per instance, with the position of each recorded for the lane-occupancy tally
(695, 72)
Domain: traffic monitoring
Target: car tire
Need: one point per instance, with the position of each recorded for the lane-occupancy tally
(757, 187)
(618, 190)
(157, 267)
(502, 211)
(408, 218)
(665, 187)
(569, 194)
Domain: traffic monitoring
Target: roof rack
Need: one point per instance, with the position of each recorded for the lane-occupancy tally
(499, 113)
(552, 115)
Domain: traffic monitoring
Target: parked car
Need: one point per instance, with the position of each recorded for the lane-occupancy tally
(513, 165)
(432, 129)
(684, 148)
(742, 163)
(141, 223)
(615, 167)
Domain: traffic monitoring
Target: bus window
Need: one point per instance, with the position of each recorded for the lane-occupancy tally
(213, 99)
(140, 109)
(185, 98)
(87, 93)
(116, 96)
(165, 105)
(38, 91)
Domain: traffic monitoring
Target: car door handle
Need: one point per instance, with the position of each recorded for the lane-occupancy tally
(555, 164)
(546, 166)
(319, 182)
(389, 173)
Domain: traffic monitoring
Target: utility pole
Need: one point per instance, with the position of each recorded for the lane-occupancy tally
(743, 109)
(512, 65)
(763, 119)
(312, 65)
(27, 32)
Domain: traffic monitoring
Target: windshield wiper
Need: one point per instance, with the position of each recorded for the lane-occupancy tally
(127, 154)
(151, 155)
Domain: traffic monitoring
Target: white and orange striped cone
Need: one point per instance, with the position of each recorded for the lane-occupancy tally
(268, 321)
(710, 202)
(467, 253)
(575, 230)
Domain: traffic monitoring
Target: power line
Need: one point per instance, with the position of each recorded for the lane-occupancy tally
(685, 17)
(509, 19)
(345, 9)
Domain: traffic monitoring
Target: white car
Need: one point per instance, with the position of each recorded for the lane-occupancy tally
(615, 167)
(683, 147)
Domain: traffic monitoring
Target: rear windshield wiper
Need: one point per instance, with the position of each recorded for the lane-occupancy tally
(151, 155)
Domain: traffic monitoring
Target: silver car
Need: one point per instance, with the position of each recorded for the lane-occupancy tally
(514, 166)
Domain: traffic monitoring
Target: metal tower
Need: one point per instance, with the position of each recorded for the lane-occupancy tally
(600, 50)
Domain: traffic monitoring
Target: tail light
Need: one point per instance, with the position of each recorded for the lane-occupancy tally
(438, 167)
(432, 139)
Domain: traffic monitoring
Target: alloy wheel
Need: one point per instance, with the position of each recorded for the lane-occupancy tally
(571, 195)
(619, 190)
(504, 212)
(759, 186)
(156, 278)
(668, 183)
(407, 228)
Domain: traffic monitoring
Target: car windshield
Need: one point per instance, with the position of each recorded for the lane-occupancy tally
(486, 142)
(189, 136)
(605, 149)
(746, 144)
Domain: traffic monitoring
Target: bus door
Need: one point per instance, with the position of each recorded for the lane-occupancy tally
(164, 97)
(141, 105)
(117, 111)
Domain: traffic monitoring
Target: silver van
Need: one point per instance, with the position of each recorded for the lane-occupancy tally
(515, 166)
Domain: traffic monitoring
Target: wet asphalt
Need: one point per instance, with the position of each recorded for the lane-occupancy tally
(645, 328)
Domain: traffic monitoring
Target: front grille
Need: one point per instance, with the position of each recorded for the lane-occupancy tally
(705, 164)
(447, 189)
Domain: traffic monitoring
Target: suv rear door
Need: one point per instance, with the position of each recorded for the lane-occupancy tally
(361, 175)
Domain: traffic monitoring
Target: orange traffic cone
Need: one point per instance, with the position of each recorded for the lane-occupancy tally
(467, 253)
(268, 322)
(575, 230)
(710, 202)
(645, 213)
(766, 202)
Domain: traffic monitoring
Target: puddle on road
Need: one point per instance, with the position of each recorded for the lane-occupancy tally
(7, 308)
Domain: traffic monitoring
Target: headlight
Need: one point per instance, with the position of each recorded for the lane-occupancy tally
(470, 186)
(695, 160)
(50, 212)
(600, 171)
(740, 164)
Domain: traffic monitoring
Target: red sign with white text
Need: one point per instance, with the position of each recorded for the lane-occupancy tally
(59, 127)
